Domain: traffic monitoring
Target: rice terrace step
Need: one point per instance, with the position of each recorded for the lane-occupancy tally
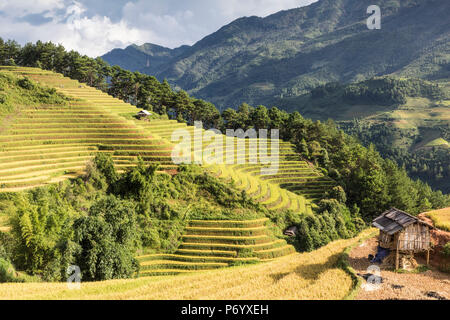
(212, 244)
(61, 139)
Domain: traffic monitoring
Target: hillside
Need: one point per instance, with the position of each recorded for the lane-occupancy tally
(128, 210)
(149, 56)
(95, 141)
(378, 98)
(315, 275)
(257, 60)
(49, 141)
(71, 134)
(406, 119)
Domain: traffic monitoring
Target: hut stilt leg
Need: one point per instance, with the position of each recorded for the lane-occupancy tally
(396, 252)
(396, 260)
(428, 257)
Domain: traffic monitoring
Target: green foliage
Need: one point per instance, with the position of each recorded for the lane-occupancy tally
(107, 240)
(6, 245)
(7, 272)
(16, 92)
(137, 181)
(338, 193)
(446, 250)
(334, 221)
(40, 225)
(105, 165)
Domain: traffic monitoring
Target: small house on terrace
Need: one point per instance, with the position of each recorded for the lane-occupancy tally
(403, 234)
(144, 114)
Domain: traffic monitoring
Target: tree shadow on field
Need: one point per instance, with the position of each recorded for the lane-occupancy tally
(313, 271)
(359, 263)
(279, 276)
(310, 271)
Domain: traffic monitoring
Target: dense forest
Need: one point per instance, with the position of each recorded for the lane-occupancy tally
(404, 118)
(328, 100)
(100, 220)
(428, 163)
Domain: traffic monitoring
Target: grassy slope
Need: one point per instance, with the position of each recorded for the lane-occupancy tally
(441, 218)
(313, 275)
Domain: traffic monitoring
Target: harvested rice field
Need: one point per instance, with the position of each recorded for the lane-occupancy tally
(313, 276)
(427, 285)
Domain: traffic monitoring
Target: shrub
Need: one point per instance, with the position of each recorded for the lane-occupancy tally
(446, 250)
(42, 222)
(26, 83)
(107, 239)
(105, 165)
(333, 221)
(7, 272)
(6, 245)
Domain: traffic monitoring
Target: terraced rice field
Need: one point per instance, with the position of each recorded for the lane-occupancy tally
(291, 185)
(62, 139)
(217, 244)
(441, 218)
(50, 143)
(306, 276)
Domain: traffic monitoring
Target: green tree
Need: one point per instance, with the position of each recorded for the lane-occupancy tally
(108, 239)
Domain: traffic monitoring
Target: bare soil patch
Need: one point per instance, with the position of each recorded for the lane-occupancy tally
(429, 285)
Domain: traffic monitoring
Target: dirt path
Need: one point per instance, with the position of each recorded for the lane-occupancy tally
(405, 286)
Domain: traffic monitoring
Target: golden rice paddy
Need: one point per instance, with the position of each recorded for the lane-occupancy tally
(441, 218)
(312, 276)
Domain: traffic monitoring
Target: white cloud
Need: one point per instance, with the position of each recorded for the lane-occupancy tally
(185, 22)
(21, 8)
(92, 36)
(165, 22)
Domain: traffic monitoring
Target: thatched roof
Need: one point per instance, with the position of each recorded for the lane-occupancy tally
(394, 220)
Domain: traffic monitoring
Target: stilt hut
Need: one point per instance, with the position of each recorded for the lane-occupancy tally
(143, 115)
(403, 234)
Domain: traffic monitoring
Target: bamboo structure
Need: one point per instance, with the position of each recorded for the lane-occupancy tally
(404, 235)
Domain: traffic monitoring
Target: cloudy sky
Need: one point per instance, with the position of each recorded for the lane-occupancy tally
(94, 27)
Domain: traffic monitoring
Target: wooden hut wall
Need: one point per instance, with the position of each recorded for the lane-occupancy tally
(415, 237)
(385, 240)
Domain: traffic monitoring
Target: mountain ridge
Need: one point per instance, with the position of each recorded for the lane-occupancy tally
(290, 52)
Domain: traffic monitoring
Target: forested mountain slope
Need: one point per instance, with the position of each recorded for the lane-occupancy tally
(257, 60)
(408, 120)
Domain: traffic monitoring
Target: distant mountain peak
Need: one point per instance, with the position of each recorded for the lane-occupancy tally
(260, 60)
